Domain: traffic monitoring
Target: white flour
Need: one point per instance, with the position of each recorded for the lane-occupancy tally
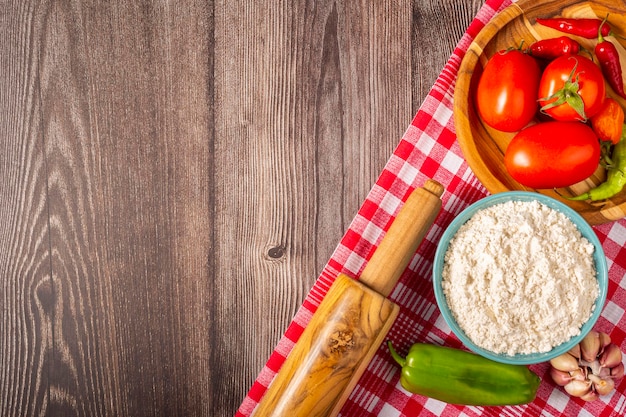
(519, 278)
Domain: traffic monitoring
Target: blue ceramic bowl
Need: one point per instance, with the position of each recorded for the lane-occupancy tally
(586, 231)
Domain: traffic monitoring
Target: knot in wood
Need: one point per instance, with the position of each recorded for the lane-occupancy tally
(276, 252)
(341, 341)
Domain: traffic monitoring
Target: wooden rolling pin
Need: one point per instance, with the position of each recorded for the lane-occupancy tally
(351, 322)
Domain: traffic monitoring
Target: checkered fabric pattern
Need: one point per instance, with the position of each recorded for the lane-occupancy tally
(429, 149)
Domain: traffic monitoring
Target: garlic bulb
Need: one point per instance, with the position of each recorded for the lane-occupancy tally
(590, 368)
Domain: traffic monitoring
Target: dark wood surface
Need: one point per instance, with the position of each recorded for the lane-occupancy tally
(173, 177)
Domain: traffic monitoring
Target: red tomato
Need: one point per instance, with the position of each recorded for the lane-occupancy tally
(552, 154)
(571, 88)
(506, 95)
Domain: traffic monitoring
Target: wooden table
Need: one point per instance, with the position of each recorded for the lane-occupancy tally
(173, 177)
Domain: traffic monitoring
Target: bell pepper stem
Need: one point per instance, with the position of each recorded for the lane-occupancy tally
(399, 359)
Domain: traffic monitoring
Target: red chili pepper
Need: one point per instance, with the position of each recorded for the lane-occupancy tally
(608, 57)
(611, 68)
(554, 47)
(585, 27)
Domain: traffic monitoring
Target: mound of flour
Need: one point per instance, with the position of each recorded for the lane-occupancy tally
(519, 278)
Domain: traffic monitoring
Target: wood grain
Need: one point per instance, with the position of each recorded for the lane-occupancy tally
(404, 236)
(332, 352)
(175, 175)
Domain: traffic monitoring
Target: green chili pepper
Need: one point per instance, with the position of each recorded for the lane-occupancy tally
(459, 377)
(615, 177)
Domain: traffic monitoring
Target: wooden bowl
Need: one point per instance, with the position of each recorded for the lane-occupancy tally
(482, 146)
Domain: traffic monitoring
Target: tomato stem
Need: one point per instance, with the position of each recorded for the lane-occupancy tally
(568, 94)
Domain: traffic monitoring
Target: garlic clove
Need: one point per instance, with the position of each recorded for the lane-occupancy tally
(561, 378)
(602, 386)
(565, 363)
(579, 374)
(612, 356)
(575, 351)
(605, 340)
(605, 387)
(590, 346)
(604, 372)
(590, 396)
(617, 372)
(578, 388)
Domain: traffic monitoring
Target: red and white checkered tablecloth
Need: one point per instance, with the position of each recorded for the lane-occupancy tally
(429, 149)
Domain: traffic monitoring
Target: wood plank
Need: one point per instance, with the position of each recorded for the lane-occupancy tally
(26, 289)
(127, 138)
(436, 28)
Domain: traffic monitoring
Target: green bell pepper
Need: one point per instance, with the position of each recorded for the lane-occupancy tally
(459, 377)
